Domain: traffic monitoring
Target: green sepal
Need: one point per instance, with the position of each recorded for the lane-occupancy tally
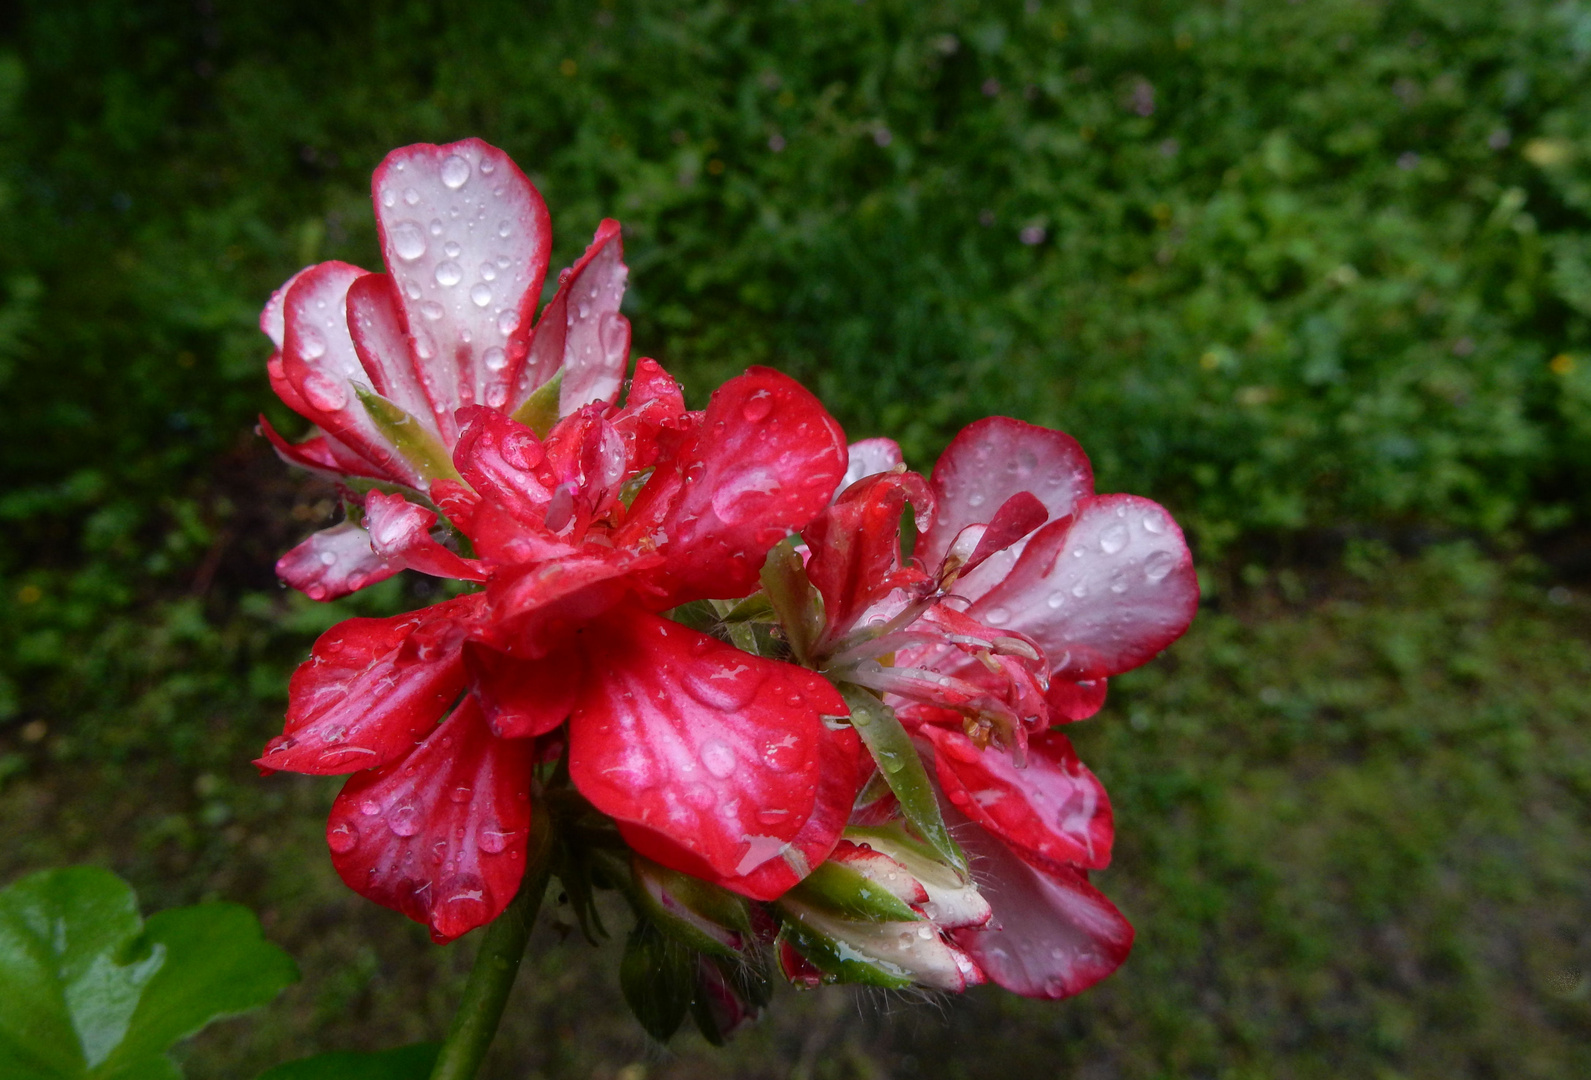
(747, 976)
(903, 770)
(540, 411)
(417, 445)
(697, 913)
(696, 614)
(793, 599)
(412, 1062)
(812, 935)
(657, 975)
(837, 889)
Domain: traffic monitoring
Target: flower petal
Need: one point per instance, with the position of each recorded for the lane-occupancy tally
(439, 835)
(990, 461)
(370, 688)
(318, 454)
(717, 750)
(381, 340)
(523, 698)
(1069, 701)
(1101, 591)
(763, 465)
(580, 331)
(867, 457)
(1053, 934)
(272, 322)
(855, 545)
(1053, 810)
(400, 533)
(320, 363)
(334, 562)
(466, 238)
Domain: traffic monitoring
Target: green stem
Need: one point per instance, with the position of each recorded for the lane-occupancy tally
(496, 964)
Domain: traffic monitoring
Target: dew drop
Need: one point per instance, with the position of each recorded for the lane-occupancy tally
(495, 359)
(411, 289)
(410, 196)
(461, 794)
(323, 392)
(451, 249)
(772, 816)
(1158, 565)
(1080, 590)
(508, 322)
(493, 839)
(496, 396)
(455, 171)
(1056, 599)
(727, 688)
(998, 616)
(521, 450)
(328, 559)
(435, 227)
(311, 343)
(370, 808)
(1113, 539)
(408, 240)
(717, 758)
(925, 933)
(585, 310)
(342, 837)
(504, 229)
(757, 407)
(404, 820)
(388, 199)
(975, 500)
(480, 294)
(488, 272)
(449, 274)
(1153, 524)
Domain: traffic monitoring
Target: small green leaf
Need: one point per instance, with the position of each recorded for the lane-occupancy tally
(409, 436)
(88, 992)
(902, 769)
(784, 578)
(657, 975)
(816, 938)
(839, 890)
(404, 1063)
(540, 411)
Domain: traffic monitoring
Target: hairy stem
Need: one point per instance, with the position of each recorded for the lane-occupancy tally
(496, 964)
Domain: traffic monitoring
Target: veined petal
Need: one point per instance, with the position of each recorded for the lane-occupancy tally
(717, 750)
(381, 340)
(1053, 810)
(400, 533)
(334, 562)
(370, 688)
(763, 465)
(1070, 701)
(317, 454)
(466, 238)
(538, 605)
(440, 834)
(581, 332)
(321, 364)
(1101, 591)
(992, 460)
(523, 698)
(855, 545)
(1053, 934)
(653, 419)
(868, 457)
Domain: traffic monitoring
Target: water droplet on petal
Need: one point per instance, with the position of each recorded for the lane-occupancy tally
(1153, 523)
(488, 272)
(507, 322)
(1158, 565)
(449, 274)
(404, 820)
(495, 359)
(328, 559)
(757, 407)
(521, 450)
(998, 616)
(411, 196)
(480, 294)
(388, 199)
(455, 171)
(1113, 539)
(342, 837)
(493, 839)
(504, 229)
(1056, 599)
(435, 226)
(408, 240)
(717, 758)
(975, 500)
(461, 794)
(311, 343)
(729, 687)
(432, 310)
(1080, 590)
(323, 392)
(451, 249)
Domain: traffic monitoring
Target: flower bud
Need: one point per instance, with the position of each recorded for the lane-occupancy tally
(699, 914)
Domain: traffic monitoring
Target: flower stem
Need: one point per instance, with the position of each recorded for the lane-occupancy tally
(496, 964)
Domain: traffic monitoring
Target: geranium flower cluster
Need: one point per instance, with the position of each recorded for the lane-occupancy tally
(690, 641)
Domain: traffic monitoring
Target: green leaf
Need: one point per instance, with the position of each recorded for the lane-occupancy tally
(540, 410)
(657, 975)
(418, 446)
(784, 578)
(88, 991)
(404, 1063)
(902, 769)
(839, 890)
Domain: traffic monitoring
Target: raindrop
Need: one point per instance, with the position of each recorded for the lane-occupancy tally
(772, 816)
(925, 933)
(388, 198)
(324, 392)
(493, 839)
(495, 359)
(370, 808)
(411, 289)
(481, 294)
(508, 322)
(724, 688)
(404, 821)
(998, 616)
(432, 310)
(487, 166)
(461, 794)
(408, 240)
(1056, 599)
(328, 559)
(718, 758)
(1080, 590)
(455, 171)
(311, 344)
(451, 249)
(488, 272)
(342, 837)
(975, 500)
(757, 407)
(1113, 539)
(449, 274)
(411, 196)
(1158, 565)
(436, 226)
(504, 229)
(585, 310)
(496, 396)
(1152, 523)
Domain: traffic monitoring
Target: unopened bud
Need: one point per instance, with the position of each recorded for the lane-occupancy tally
(697, 913)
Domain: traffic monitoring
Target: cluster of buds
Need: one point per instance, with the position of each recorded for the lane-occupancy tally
(690, 644)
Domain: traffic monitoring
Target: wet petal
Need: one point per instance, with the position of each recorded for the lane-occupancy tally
(855, 545)
(400, 533)
(1053, 810)
(370, 688)
(1101, 591)
(466, 238)
(868, 457)
(440, 834)
(334, 562)
(716, 750)
(375, 322)
(523, 698)
(1071, 701)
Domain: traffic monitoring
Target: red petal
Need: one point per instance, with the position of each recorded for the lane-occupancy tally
(581, 331)
(319, 360)
(315, 454)
(400, 532)
(1053, 810)
(370, 688)
(539, 605)
(855, 545)
(523, 698)
(987, 463)
(1017, 516)
(868, 457)
(334, 562)
(441, 834)
(272, 322)
(466, 238)
(1053, 935)
(717, 750)
(764, 464)
(1070, 701)
(1101, 591)
(381, 340)
(653, 419)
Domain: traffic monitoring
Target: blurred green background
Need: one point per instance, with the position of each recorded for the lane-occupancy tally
(1316, 274)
